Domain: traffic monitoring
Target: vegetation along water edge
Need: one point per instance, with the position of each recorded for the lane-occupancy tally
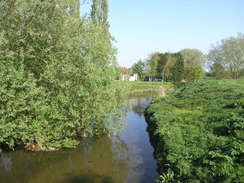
(141, 87)
(198, 132)
(57, 74)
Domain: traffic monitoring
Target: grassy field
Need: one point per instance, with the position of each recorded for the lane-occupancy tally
(198, 132)
(139, 87)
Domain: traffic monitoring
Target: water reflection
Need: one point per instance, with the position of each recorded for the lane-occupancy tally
(138, 105)
(95, 161)
(138, 143)
(6, 163)
(127, 158)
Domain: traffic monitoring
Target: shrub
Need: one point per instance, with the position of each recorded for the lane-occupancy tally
(57, 75)
(199, 132)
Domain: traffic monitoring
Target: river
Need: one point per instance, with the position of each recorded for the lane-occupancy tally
(127, 158)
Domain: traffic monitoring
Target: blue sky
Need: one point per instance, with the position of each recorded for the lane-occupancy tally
(142, 27)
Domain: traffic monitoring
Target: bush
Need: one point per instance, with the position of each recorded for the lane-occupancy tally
(57, 75)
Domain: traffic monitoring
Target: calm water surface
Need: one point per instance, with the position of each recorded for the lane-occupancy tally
(124, 159)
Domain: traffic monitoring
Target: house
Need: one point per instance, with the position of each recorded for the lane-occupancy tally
(126, 75)
(133, 77)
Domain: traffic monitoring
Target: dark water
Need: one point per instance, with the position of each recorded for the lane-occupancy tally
(124, 159)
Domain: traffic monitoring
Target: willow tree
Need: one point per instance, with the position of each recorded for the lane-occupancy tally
(194, 61)
(139, 68)
(99, 11)
(171, 66)
(153, 64)
(226, 59)
(57, 75)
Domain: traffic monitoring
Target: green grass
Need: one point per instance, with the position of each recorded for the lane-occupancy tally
(198, 132)
(138, 87)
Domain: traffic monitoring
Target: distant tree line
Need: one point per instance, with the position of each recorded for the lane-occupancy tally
(224, 60)
(184, 65)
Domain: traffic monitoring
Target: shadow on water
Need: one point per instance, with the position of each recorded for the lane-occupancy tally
(127, 158)
(89, 180)
(95, 160)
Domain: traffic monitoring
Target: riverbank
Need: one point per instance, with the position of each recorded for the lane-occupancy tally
(141, 87)
(197, 132)
(124, 157)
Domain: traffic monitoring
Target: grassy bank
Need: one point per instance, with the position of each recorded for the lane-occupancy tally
(140, 87)
(198, 132)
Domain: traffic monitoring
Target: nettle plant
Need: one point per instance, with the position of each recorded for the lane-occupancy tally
(199, 132)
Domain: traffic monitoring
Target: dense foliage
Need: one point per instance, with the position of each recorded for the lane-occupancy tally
(168, 66)
(226, 59)
(193, 64)
(198, 132)
(185, 65)
(139, 68)
(57, 74)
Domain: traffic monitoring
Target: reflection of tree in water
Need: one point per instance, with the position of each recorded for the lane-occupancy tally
(5, 163)
(95, 161)
(118, 122)
(131, 156)
(138, 105)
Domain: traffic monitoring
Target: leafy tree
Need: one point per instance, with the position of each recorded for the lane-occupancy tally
(57, 75)
(165, 66)
(228, 57)
(171, 67)
(138, 68)
(193, 73)
(192, 57)
(178, 69)
(153, 64)
(218, 71)
(193, 64)
(99, 11)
